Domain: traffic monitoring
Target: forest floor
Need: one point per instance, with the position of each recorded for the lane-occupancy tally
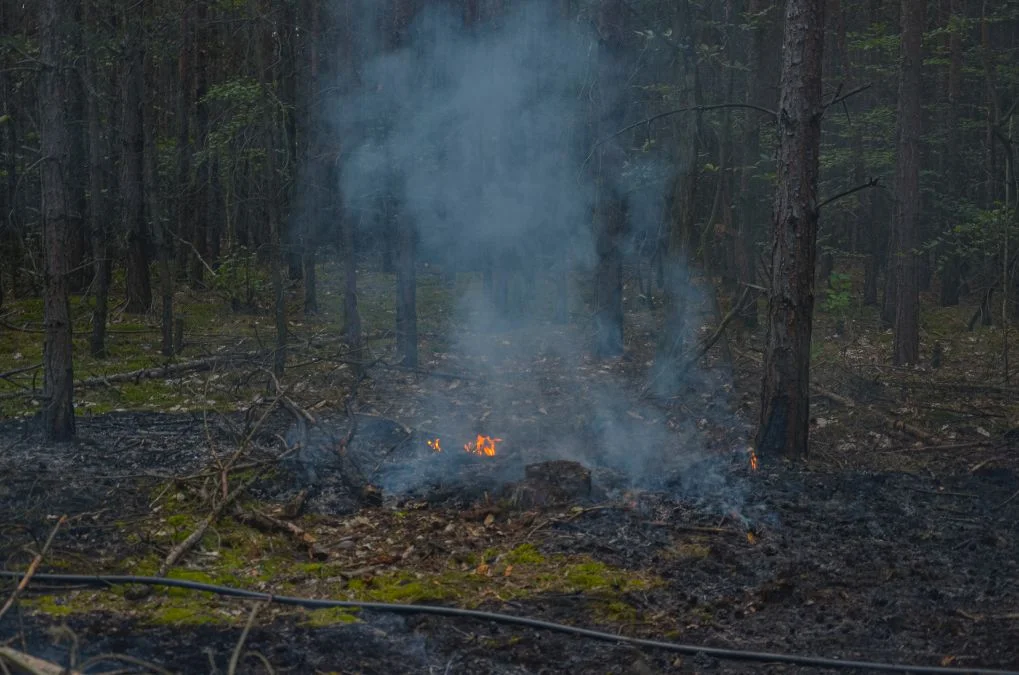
(896, 541)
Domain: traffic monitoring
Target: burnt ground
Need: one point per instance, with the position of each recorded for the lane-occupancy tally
(901, 566)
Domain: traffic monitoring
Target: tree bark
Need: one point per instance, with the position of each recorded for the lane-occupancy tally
(157, 218)
(406, 291)
(681, 205)
(351, 315)
(56, 21)
(907, 188)
(951, 277)
(785, 395)
(139, 285)
(100, 187)
(610, 206)
(185, 197)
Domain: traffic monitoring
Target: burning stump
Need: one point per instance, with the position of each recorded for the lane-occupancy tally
(554, 482)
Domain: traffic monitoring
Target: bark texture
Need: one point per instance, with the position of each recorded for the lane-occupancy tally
(907, 188)
(56, 22)
(785, 396)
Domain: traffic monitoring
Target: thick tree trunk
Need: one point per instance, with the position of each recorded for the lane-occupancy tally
(139, 286)
(907, 188)
(56, 19)
(785, 400)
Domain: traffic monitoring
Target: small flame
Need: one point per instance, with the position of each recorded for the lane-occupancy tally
(754, 463)
(483, 446)
(751, 538)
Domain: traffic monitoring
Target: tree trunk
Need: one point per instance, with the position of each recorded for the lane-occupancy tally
(204, 177)
(785, 399)
(406, 291)
(907, 187)
(185, 206)
(158, 220)
(100, 187)
(77, 125)
(56, 20)
(682, 207)
(139, 287)
(351, 315)
(610, 206)
(951, 276)
(609, 218)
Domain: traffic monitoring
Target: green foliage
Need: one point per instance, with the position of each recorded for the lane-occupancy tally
(241, 280)
(978, 232)
(838, 299)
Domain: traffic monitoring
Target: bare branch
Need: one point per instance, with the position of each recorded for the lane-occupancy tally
(872, 182)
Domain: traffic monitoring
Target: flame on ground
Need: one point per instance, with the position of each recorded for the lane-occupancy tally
(754, 463)
(483, 446)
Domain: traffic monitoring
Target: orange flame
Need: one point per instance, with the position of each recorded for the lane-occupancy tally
(754, 463)
(483, 446)
(751, 538)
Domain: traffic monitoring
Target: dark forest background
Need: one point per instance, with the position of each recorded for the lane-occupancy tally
(158, 149)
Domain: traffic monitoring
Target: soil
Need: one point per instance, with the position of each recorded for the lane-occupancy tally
(915, 567)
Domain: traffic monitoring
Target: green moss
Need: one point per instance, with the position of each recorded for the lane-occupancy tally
(54, 605)
(190, 613)
(616, 611)
(525, 554)
(320, 618)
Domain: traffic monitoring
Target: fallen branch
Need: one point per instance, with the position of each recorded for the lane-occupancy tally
(32, 664)
(267, 523)
(151, 373)
(178, 551)
(33, 567)
(235, 658)
(891, 421)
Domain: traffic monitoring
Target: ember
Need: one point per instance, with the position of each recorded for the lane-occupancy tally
(753, 459)
(483, 446)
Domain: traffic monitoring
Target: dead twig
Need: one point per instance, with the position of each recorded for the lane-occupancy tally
(124, 658)
(32, 664)
(151, 373)
(33, 567)
(178, 551)
(871, 182)
(889, 420)
(1007, 501)
(267, 523)
(235, 658)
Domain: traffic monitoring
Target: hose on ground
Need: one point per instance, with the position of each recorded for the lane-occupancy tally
(102, 581)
